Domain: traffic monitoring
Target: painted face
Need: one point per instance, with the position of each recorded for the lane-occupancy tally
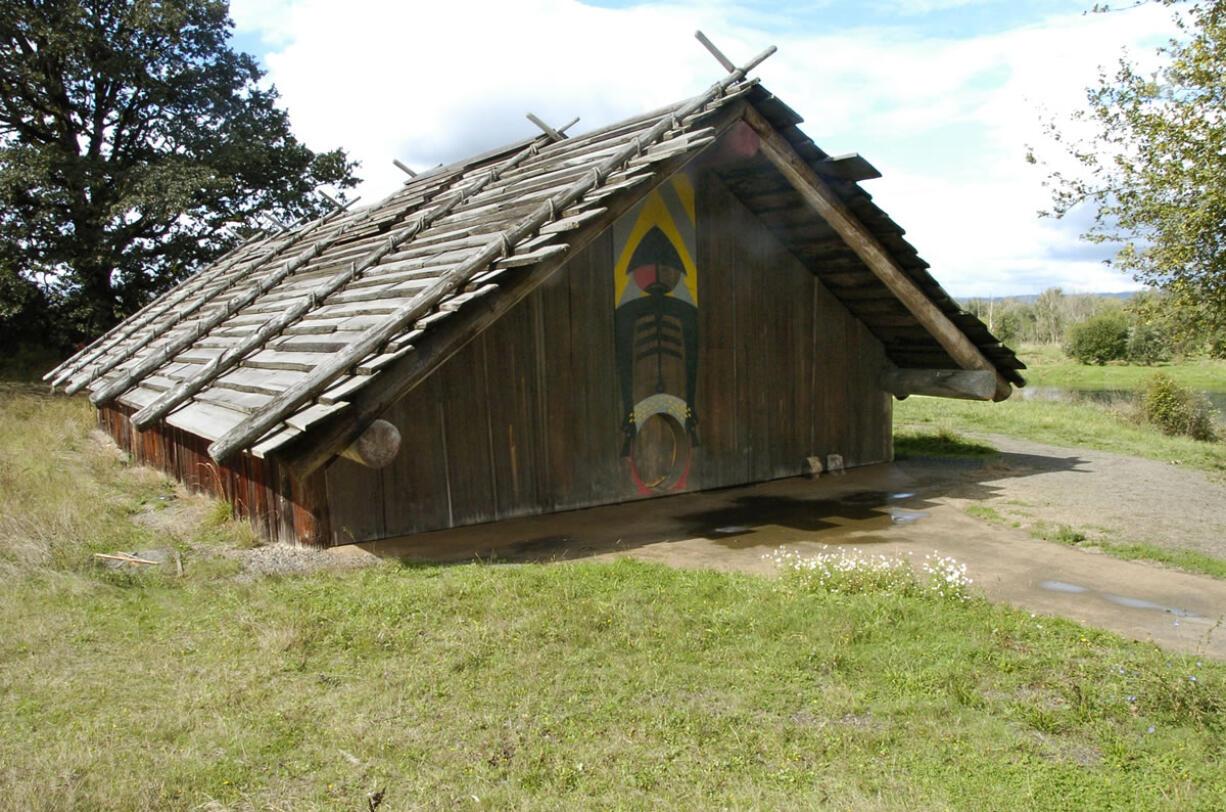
(655, 265)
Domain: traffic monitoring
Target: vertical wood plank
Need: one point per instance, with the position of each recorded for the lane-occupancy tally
(597, 437)
(414, 486)
(513, 429)
(463, 394)
(560, 424)
(718, 458)
(312, 525)
(356, 500)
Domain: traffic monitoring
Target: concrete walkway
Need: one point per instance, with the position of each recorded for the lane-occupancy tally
(907, 508)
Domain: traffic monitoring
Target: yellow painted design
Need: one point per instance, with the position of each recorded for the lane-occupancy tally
(655, 213)
(685, 191)
(660, 404)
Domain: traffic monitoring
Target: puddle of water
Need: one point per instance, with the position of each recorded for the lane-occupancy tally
(1137, 603)
(900, 516)
(1061, 586)
(1061, 394)
(873, 498)
(1118, 600)
(770, 521)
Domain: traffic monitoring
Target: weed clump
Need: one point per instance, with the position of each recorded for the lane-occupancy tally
(850, 572)
(1177, 410)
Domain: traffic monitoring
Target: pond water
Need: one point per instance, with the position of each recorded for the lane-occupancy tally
(1217, 399)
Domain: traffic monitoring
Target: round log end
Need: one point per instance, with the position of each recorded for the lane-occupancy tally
(376, 447)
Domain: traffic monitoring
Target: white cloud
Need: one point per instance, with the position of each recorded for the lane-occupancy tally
(433, 82)
(950, 121)
(947, 120)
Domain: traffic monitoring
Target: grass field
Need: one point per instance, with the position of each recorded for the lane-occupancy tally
(582, 686)
(1114, 429)
(1049, 366)
(605, 686)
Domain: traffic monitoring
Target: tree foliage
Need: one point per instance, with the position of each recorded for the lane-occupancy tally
(135, 145)
(1154, 168)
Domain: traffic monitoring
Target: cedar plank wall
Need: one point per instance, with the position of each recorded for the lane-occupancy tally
(526, 418)
(258, 490)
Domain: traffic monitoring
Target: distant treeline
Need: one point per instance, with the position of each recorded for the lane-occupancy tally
(1144, 327)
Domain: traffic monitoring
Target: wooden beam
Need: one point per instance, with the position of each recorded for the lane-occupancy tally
(160, 305)
(715, 52)
(375, 447)
(964, 384)
(831, 208)
(116, 387)
(545, 128)
(324, 442)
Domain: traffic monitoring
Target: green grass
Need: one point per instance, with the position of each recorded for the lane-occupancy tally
(618, 686)
(944, 442)
(66, 493)
(1049, 366)
(1066, 424)
(992, 515)
(587, 686)
(1188, 560)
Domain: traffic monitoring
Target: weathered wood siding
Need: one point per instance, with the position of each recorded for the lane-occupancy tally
(528, 417)
(259, 490)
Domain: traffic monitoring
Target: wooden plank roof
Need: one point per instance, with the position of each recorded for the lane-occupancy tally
(317, 328)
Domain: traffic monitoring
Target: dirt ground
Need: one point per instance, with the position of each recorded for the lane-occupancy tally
(914, 507)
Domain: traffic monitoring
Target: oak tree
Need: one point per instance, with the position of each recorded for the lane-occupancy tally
(135, 145)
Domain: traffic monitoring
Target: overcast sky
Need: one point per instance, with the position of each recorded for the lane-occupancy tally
(942, 96)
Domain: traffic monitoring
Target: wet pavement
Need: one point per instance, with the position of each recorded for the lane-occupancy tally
(908, 508)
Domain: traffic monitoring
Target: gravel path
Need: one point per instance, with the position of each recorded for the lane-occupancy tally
(1108, 496)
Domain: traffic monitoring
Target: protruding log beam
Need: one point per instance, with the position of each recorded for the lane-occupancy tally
(964, 384)
(818, 194)
(376, 447)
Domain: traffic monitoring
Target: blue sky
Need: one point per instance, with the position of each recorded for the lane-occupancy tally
(943, 96)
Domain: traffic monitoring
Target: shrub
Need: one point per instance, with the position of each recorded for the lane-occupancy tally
(1147, 345)
(1176, 409)
(1098, 339)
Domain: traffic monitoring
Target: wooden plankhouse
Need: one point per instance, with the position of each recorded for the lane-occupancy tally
(695, 298)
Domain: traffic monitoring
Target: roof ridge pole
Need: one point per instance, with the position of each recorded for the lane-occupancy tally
(140, 318)
(171, 399)
(246, 269)
(283, 404)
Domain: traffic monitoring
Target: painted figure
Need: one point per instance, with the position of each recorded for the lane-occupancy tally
(656, 335)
